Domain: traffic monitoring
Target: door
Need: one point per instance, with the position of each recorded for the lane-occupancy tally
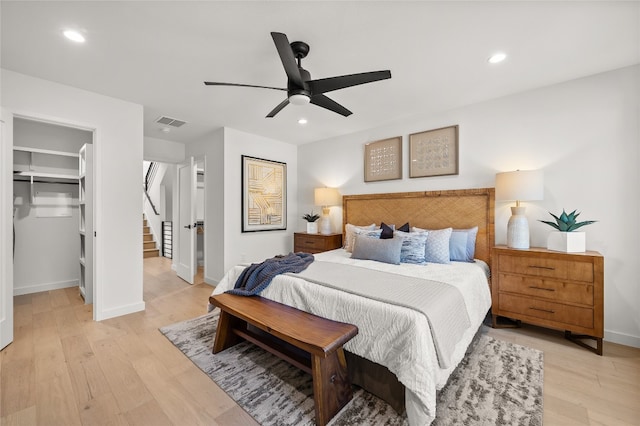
(186, 265)
(6, 226)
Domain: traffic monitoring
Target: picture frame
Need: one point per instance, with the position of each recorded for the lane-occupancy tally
(383, 160)
(434, 152)
(264, 194)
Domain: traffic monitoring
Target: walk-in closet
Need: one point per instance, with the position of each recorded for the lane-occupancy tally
(53, 207)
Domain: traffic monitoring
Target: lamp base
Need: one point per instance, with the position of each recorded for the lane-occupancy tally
(518, 229)
(325, 225)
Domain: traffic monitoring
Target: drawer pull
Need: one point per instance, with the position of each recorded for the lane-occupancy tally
(542, 267)
(541, 288)
(543, 310)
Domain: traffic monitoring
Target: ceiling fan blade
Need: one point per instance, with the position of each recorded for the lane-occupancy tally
(279, 108)
(212, 83)
(330, 104)
(325, 85)
(288, 60)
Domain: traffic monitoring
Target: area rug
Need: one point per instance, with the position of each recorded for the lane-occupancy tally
(497, 383)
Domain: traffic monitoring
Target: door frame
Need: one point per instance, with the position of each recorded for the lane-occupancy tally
(6, 208)
(6, 222)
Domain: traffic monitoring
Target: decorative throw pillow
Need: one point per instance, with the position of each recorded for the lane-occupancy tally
(413, 246)
(462, 244)
(404, 228)
(437, 245)
(349, 236)
(387, 231)
(381, 250)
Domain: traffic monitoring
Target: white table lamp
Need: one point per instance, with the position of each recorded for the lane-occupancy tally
(326, 197)
(521, 185)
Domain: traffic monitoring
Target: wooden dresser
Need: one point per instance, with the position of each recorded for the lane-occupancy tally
(316, 243)
(552, 289)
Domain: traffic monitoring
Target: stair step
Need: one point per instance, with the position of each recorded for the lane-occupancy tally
(146, 230)
(144, 222)
(149, 245)
(147, 237)
(150, 253)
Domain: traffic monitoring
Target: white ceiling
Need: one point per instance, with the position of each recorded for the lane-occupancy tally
(158, 54)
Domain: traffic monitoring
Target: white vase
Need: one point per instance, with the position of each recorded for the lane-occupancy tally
(312, 227)
(568, 242)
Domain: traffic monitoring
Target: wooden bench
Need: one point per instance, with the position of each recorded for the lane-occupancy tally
(319, 338)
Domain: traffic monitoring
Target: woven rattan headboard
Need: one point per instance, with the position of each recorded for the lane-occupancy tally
(461, 208)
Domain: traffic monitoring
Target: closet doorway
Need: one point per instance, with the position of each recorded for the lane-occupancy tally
(53, 236)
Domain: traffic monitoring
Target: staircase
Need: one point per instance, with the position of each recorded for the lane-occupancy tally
(148, 242)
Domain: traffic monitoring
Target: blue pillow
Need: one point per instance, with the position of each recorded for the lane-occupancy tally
(462, 244)
(382, 250)
(413, 247)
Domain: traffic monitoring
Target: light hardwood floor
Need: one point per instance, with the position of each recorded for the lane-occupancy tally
(65, 369)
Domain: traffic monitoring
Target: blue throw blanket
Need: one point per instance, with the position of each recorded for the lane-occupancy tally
(258, 276)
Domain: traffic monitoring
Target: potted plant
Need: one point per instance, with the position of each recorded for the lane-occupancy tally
(312, 224)
(565, 238)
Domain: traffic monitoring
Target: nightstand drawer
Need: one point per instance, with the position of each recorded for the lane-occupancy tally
(559, 291)
(310, 243)
(546, 267)
(316, 243)
(551, 311)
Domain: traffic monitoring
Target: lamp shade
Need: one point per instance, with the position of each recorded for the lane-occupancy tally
(327, 197)
(521, 185)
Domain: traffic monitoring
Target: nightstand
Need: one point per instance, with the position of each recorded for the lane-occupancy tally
(552, 289)
(316, 243)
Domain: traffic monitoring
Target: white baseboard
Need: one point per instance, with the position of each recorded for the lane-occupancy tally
(622, 338)
(119, 311)
(37, 288)
(211, 281)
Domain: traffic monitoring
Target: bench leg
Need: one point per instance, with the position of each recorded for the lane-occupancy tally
(225, 337)
(331, 385)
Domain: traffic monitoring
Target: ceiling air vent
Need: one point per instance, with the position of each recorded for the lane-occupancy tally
(168, 121)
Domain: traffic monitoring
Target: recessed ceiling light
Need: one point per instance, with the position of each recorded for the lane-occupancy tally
(165, 130)
(302, 121)
(497, 58)
(74, 35)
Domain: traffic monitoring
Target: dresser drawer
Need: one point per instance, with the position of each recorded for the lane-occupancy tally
(559, 291)
(547, 310)
(546, 267)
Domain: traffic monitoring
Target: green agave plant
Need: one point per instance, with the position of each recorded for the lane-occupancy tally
(311, 217)
(567, 222)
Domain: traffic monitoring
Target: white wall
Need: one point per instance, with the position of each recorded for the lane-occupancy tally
(118, 142)
(255, 246)
(225, 243)
(584, 134)
(163, 150)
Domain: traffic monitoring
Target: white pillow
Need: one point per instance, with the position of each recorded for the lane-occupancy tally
(437, 244)
(350, 232)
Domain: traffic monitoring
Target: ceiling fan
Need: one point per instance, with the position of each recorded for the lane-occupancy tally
(301, 89)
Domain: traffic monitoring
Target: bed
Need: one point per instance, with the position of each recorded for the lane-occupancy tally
(395, 341)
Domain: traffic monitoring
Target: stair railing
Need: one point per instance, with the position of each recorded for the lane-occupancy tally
(144, 189)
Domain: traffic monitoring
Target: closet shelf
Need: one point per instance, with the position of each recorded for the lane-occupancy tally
(23, 175)
(46, 151)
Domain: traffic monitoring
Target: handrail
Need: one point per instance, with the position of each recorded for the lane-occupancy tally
(151, 174)
(150, 202)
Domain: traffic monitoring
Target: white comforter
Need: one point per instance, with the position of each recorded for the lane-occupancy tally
(393, 336)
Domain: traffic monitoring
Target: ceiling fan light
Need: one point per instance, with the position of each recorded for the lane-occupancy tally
(299, 99)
